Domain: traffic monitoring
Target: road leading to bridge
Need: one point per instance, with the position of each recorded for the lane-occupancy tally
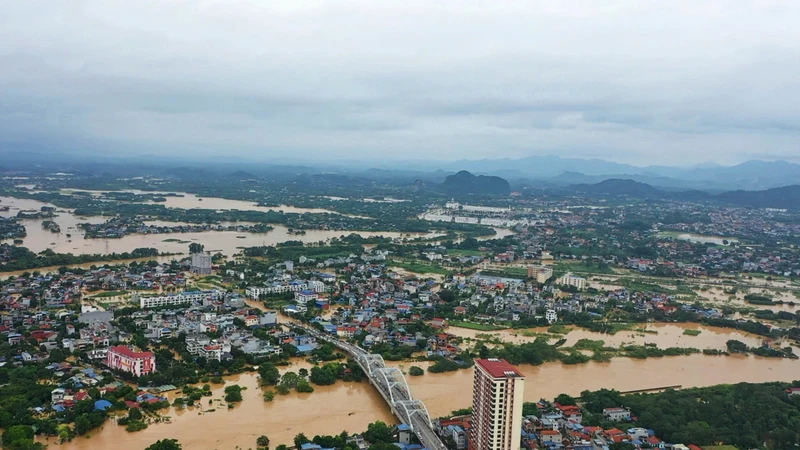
(393, 387)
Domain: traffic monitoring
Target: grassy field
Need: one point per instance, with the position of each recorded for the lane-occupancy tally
(420, 267)
(476, 326)
(460, 252)
(108, 294)
(508, 272)
(180, 241)
(580, 268)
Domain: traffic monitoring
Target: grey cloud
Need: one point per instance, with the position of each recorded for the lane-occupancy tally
(652, 82)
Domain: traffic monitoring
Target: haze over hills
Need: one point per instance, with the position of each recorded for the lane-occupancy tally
(542, 171)
(785, 197)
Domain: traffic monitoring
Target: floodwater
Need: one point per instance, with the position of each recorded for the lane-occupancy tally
(446, 392)
(500, 233)
(352, 406)
(226, 242)
(718, 296)
(328, 410)
(192, 201)
(661, 334)
(700, 238)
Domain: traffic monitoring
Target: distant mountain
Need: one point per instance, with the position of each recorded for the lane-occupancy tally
(464, 182)
(619, 187)
(786, 197)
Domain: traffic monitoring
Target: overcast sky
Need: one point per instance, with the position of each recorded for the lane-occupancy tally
(673, 82)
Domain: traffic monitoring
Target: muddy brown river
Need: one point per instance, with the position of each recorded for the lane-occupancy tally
(352, 406)
(226, 242)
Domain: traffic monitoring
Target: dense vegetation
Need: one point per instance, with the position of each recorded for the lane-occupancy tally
(20, 258)
(745, 415)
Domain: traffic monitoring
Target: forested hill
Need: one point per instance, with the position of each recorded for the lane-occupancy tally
(787, 197)
(466, 183)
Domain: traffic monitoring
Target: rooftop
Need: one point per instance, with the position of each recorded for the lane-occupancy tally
(125, 351)
(499, 368)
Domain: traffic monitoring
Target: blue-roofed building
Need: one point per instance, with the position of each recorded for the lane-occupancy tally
(102, 405)
(304, 349)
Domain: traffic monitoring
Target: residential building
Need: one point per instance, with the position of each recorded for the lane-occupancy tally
(201, 263)
(497, 398)
(571, 280)
(303, 297)
(617, 414)
(127, 360)
(540, 273)
(182, 298)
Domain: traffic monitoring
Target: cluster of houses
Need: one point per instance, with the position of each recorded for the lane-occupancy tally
(559, 427)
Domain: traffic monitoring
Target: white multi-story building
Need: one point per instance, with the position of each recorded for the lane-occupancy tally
(254, 292)
(438, 217)
(572, 280)
(497, 397)
(303, 297)
(179, 299)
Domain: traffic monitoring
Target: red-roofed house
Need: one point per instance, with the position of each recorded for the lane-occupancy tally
(550, 436)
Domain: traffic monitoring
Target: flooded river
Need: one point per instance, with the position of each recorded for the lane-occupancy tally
(329, 410)
(192, 201)
(226, 242)
(663, 335)
(352, 406)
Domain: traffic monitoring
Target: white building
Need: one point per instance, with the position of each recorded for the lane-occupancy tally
(551, 316)
(255, 292)
(617, 414)
(571, 280)
(182, 298)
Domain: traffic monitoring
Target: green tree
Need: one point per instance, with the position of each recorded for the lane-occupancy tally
(565, 400)
(416, 371)
(194, 247)
(135, 414)
(262, 441)
(383, 446)
(233, 394)
(300, 439)
(269, 374)
(735, 346)
(165, 444)
(378, 432)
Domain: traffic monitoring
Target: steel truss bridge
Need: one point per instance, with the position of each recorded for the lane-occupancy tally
(393, 387)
